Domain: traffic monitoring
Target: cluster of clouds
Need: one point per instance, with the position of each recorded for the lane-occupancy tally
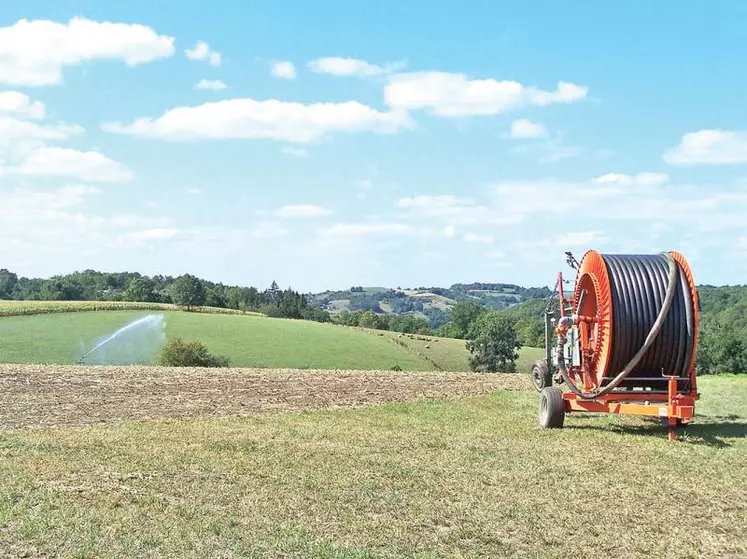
(25, 149)
(442, 94)
(37, 53)
(636, 201)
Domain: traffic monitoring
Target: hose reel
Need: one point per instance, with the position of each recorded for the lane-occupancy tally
(630, 329)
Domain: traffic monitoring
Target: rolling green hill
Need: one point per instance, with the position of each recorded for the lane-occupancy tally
(248, 341)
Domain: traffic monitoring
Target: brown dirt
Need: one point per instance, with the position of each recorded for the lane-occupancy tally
(71, 396)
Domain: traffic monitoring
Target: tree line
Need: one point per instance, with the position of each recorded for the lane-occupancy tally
(186, 291)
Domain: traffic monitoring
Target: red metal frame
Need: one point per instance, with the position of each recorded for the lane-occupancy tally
(675, 408)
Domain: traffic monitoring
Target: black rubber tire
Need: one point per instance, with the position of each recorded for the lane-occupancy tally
(541, 376)
(551, 408)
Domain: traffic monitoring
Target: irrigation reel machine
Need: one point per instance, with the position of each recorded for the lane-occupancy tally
(623, 342)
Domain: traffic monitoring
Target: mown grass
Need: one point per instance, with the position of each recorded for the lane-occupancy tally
(467, 478)
(21, 308)
(248, 341)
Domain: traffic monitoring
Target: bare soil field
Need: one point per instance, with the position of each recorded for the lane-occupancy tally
(33, 396)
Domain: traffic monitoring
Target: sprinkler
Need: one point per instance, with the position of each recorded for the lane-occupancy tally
(149, 322)
(624, 342)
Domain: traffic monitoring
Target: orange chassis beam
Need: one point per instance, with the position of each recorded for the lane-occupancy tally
(676, 408)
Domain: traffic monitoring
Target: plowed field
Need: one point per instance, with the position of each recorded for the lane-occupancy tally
(73, 396)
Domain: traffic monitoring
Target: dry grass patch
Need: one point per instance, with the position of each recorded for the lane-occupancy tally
(73, 396)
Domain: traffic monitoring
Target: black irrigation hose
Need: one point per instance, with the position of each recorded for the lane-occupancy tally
(653, 320)
(639, 285)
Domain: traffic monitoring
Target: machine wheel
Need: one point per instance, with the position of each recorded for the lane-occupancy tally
(551, 408)
(541, 376)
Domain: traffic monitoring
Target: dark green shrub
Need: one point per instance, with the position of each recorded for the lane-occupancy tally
(181, 353)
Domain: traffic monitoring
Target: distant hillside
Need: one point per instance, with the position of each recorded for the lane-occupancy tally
(431, 303)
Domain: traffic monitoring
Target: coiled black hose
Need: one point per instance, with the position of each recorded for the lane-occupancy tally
(638, 286)
(653, 323)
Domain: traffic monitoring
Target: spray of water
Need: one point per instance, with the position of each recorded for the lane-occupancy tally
(135, 343)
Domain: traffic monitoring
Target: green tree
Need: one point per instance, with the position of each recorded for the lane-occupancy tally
(347, 318)
(448, 330)
(60, 290)
(721, 350)
(188, 291)
(140, 289)
(8, 281)
(408, 324)
(369, 319)
(463, 314)
(493, 343)
(214, 297)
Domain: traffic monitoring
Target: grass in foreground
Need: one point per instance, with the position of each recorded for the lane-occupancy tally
(248, 341)
(471, 478)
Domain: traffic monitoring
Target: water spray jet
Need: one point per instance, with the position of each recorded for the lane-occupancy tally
(153, 323)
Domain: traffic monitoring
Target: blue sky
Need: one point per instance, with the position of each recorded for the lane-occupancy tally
(331, 144)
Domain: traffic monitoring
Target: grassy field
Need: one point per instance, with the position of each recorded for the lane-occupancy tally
(449, 354)
(248, 341)
(471, 477)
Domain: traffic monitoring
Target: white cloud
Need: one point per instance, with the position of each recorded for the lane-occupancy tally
(565, 93)
(139, 237)
(296, 152)
(24, 150)
(210, 84)
(436, 205)
(453, 95)
(476, 238)
(449, 231)
(35, 52)
(703, 209)
(302, 211)
(17, 103)
(55, 224)
(551, 151)
(20, 136)
(524, 128)
(373, 228)
(270, 119)
(87, 166)
(364, 188)
(25, 199)
(580, 238)
(657, 229)
(641, 179)
(713, 147)
(285, 70)
(555, 153)
(339, 66)
(202, 51)
(455, 209)
(268, 230)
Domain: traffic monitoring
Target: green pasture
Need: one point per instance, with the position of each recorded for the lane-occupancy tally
(248, 341)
